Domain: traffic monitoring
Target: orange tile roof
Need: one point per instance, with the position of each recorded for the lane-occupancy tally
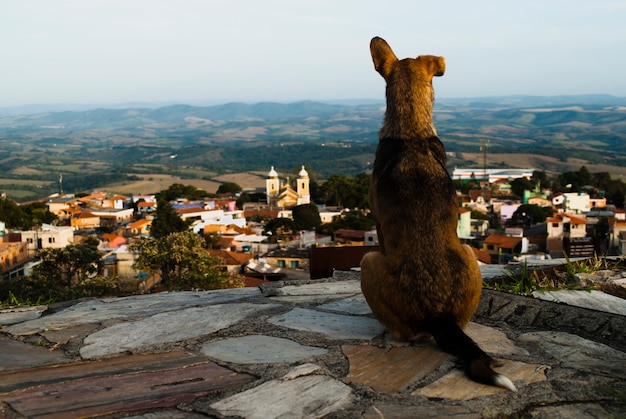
(139, 223)
(503, 241)
(230, 258)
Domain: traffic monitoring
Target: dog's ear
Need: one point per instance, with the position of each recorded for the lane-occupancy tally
(383, 56)
(432, 65)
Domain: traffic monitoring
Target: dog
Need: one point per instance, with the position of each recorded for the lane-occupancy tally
(422, 279)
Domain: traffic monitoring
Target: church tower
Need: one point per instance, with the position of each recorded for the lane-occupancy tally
(304, 195)
(272, 185)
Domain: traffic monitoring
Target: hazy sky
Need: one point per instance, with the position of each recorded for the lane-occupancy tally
(116, 51)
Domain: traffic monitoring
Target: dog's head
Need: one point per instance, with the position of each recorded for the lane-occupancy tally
(386, 62)
(410, 94)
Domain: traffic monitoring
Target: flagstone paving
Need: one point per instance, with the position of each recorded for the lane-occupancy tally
(304, 349)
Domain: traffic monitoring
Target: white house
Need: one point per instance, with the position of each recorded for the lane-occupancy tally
(576, 203)
(464, 225)
(48, 236)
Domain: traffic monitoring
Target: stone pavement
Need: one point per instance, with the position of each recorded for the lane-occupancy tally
(303, 349)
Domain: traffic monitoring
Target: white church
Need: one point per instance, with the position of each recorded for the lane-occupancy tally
(282, 194)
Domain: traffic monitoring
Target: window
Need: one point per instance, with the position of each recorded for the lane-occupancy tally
(280, 263)
(293, 264)
(51, 240)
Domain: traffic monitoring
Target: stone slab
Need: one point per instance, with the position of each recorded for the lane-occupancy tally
(398, 411)
(15, 355)
(12, 315)
(352, 305)
(333, 326)
(493, 341)
(304, 397)
(572, 351)
(332, 289)
(62, 336)
(259, 349)
(54, 374)
(456, 386)
(570, 410)
(322, 291)
(595, 300)
(123, 393)
(167, 327)
(99, 310)
(389, 370)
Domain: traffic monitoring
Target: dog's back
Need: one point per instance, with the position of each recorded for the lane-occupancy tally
(423, 278)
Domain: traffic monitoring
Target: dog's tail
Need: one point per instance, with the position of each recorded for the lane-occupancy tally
(477, 364)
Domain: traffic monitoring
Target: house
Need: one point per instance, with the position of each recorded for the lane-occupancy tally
(562, 226)
(350, 237)
(370, 238)
(502, 248)
(140, 227)
(479, 227)
(63, 207)
(146, 207)
(84, 220)
(464, 225)
(112, 241)
(574, 202)
(116, 201)
(288, 258)
(233, 262)
(48, 236)
(112, 217)
(251, 243)
(13, 255)
(507, 211)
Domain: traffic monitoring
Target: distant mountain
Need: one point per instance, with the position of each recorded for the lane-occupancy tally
(91, 147)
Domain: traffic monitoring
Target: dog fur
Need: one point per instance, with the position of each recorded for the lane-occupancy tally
(423, 278)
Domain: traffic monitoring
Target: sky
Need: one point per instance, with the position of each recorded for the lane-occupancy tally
(215, 51)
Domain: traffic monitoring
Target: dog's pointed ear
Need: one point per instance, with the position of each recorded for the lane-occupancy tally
(433, 65)
(383, 56)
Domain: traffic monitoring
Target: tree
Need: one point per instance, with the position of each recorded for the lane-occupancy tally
(345, 191)
(166, 221)
(526, 216)
(69, 265)
(519, 185)
(12, 215)
(229, 188)
(182, 262)
(306, 217)
(178, 190)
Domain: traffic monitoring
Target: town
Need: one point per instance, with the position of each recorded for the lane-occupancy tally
(500, 226)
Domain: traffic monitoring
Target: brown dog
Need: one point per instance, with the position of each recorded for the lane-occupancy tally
(423, 279)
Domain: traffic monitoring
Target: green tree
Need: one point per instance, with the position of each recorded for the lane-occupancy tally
(250, 197)
(182, 262)
(12, 215)
(306, 217)
(166, 221)
(38, 213)
(526, 216)
(68, 266)
(178, 190)
(354, 220)
(539, 177)
(346, 191)
(519, 185)
(229, 188)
